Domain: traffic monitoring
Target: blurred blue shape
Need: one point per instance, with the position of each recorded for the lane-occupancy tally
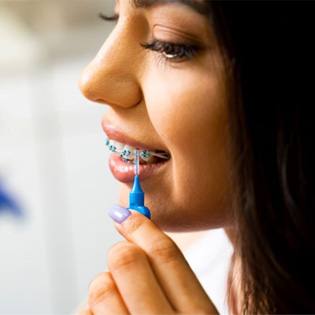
(8, 203)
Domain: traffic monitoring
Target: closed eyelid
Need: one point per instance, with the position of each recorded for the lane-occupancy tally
(177, 32)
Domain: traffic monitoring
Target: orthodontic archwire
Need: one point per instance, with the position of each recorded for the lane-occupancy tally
(144, 154)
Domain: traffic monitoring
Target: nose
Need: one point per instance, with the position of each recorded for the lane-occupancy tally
(112, 76)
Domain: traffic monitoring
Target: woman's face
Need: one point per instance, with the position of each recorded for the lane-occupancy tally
(178, 105)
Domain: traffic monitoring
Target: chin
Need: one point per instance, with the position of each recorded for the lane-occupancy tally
(174, 219)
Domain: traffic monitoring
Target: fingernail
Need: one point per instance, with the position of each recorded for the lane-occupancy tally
(118, 213)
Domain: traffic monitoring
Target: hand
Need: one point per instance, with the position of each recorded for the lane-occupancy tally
(148, 274)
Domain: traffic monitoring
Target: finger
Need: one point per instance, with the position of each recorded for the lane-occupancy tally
(136, 281)
(178, 281)
(104, 298)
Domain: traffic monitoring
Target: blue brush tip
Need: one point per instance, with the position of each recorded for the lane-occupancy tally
(136, 198)
(136, 185)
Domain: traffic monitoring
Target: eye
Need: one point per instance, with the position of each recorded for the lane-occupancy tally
(109, 18)
(172, 51)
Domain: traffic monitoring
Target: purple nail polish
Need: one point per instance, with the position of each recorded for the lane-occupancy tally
(118, 213)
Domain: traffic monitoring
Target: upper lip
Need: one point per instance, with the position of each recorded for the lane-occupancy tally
(114, 133)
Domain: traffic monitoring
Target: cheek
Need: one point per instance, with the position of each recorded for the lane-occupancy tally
(183, 102)
(187, 112)
(190, 116)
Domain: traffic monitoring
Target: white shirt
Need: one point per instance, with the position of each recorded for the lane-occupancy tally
(209, 257)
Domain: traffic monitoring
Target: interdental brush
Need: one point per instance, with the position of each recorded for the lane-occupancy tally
(136, 196)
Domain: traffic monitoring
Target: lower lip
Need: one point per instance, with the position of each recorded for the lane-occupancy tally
(124, 172)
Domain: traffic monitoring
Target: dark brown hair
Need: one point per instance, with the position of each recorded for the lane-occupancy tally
(269, 45)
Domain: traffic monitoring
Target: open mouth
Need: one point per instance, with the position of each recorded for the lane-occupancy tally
(127, 153)
(153, 159)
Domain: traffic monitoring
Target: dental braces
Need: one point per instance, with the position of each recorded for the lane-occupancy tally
(129, 155)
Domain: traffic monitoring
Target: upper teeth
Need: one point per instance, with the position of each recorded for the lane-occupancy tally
(145, 155)
(128, 152)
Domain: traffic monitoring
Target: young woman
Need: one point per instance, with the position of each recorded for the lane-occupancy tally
(222, 88)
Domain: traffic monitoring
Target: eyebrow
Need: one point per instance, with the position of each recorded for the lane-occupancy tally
(201, 7)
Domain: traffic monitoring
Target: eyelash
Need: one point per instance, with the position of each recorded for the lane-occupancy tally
(170, 52)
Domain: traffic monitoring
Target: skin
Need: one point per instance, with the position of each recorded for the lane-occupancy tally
(180, 106)
(149, 258)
